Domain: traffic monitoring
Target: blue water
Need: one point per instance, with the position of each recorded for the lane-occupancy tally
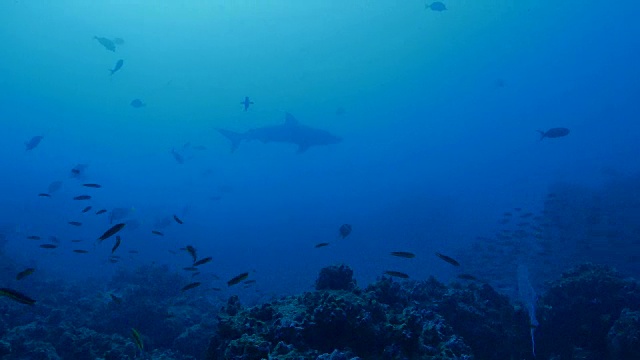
(438, 113)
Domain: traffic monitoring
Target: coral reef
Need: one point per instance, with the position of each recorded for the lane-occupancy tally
(387, 320)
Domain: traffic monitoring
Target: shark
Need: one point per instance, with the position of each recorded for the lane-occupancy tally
(291, 132)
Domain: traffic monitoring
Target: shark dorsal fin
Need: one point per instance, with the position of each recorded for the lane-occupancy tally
(290, 120)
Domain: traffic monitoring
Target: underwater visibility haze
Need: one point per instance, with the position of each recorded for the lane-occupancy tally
(319, 180)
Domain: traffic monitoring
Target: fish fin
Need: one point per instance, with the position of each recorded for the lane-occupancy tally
(542, 134)
(290, 120)
(235, 138)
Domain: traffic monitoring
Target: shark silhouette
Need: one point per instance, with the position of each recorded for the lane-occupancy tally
(290, 132)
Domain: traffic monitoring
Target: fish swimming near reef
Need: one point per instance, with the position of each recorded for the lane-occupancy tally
(16, 296)
(117, 67)
(203, 261)
(290, 132)
(190, 286)
(116, 245)
(448, 259)
(403, 254)
(237, 279)
(554, 133)
(33, 143)
(112, 231)
(108, 44)
(137, 339)
(24, 273)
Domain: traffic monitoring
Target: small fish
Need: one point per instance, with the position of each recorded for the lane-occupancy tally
(115, 299)
(403, 254)
(33, 143)
(101, 211)
(190, 268)
(344, 231)
(190, 286)
(86, 209)
(80, 251)
(448, 259)
(117, 67)
(216, 289)
(137, 103)
(16, 296)
(113, 261)
(82, 197)
(322, 245)
(108, 44)
(156, 232)
(90, 185)
(44, 195)
(137, 338)
(237, 279)
(246, 103)
(203, 261)
(76, 241)
(75, 223)
(48, 246)
(177, 219)
(115, 246)
(34, 237)
(192, 251)
(112, 231)
(397, 274)
(24, 273)
(554, 133)
(436, 6)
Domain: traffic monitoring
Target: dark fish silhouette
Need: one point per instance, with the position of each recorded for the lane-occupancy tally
(75, 223)
(344, 231)
(192, 251)
(137, 103)
(322, 245)
(33, 143)
(108, 44)
(177, 156)
(115, 246)
(24, 273)
(156, 232)
(112, 231)
(178, 220)
(86, 209)
(80, 251)
(404, 254)
(237, 279)
(246, 103)
(101, 211)
(78, 171)
(95, 186)
(82, 197)
(16, 296)
(203, 261)
(436, 6)
(191, 286)
(290, 132)
(48, 246)
(448, 259)
(118, 41)
(118, 66)
(44, 195)
(554, 133)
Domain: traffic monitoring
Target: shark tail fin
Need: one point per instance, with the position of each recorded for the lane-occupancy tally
(235, 138)
(542, 134)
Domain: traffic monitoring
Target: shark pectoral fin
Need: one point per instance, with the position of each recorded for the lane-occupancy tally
(235, 138)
